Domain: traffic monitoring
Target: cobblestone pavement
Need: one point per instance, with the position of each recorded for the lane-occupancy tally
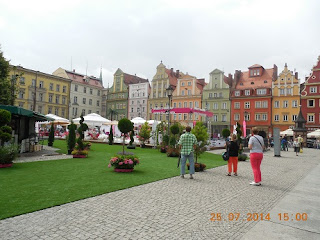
(47, 153)
(173, 208)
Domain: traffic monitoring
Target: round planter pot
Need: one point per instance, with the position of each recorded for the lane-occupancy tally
(5, 165)
(123, 170)
(79, 156)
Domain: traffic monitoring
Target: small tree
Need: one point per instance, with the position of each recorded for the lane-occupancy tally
(174, 129)
(144, 133)
(125, 126)
(201, 133)
(5, 130)
(226, 132)
(83, 127)
(51, 135)
(72, 136)
(111, 135)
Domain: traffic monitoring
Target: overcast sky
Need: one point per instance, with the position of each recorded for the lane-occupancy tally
(192, 36)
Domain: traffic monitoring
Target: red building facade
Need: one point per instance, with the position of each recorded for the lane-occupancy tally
(310, 99)
(251, 98)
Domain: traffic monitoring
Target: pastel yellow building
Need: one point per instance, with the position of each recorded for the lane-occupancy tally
(42, 92)
(286, 99)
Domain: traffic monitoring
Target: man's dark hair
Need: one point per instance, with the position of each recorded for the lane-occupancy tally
(188, 129)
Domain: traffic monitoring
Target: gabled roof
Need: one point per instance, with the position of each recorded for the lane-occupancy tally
(130, 79)
(78, 77)
(255, 66)
(172, 77)
(259, 81)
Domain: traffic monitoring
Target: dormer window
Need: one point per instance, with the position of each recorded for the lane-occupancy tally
(254, 72)
(237, 93)
(265, 81)
(252, 83)
(247, 92)
(241, 84)
(261, 91)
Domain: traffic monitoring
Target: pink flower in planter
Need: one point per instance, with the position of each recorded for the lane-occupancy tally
(120, 163)
(130, 161)
(125, 161)
(109, 165)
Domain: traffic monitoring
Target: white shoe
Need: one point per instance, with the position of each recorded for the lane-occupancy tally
(255, 184)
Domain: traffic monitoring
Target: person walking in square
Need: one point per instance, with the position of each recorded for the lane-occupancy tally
(296, 146)
(256, 146)
(187, 143)
(233, 149)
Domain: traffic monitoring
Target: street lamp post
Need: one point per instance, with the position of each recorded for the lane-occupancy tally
(169, 94)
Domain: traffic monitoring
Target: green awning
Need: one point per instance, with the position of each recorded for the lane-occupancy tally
(24, 112)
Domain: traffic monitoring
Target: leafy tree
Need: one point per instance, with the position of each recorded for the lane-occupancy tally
(72, 136)
(111, 113)
(174, 129)
(51, 135)
(111, 135)
(5, 130)
(226, 132)
(5, 84)
(201, 133)
(125, 126)
(144, 133)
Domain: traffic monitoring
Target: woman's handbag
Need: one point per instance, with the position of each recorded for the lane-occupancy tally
(225, 156)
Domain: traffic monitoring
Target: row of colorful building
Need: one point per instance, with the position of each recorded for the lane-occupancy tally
(260, 96)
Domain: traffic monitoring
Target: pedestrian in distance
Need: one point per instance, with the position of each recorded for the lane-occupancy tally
(300, 140)
(256, 146)
(296, 146)
(187, 144)
(233, 149)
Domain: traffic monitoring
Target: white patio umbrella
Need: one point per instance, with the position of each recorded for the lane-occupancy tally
(57, 120)
(138, 121)
(288, 132)
(114, 122)
(151, 122)
(92, 120)
(314, 134)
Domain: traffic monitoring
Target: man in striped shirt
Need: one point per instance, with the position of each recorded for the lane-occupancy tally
(187, 143)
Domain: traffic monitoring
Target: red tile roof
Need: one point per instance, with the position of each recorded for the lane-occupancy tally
(172, 77)
(259, 81)
(255, 66)
(130, 79)
(77, 77)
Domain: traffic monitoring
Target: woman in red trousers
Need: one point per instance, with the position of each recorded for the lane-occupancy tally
(256, 146)
(233, 149)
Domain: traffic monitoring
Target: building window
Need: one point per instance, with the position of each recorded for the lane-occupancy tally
(262, 91)
(294, 103)
(40, 97)
(189, 92)
(180, 116)
(210, 95)
(56, 111)
(276, 118)
(41, 84)
(57, 98)
(285, 118)
(84, 100)
(247, 105)
(51, 87)
(237, 105)
(215, 106)
(247, 116)
(294, 117)
(264, 104)
(220, 95)
(84, 90)
(289, 91)
(215, 95)
(257, 117)
(89, 111)
(64, 90)
(224, 105)
(75, 111)
(237, 93)
(76, 88)
(313, 89)
(131, 109)
(189, 83)
(58, 88)
(62, 112)
(50, 98)
(257, 104)
(310, 102)
(33, 83)
(49, 110)
(185, 104)
(40, 109)
(276, 104)
(224, 118)
(310, 118)
(98, 92)
(264, 117)
(282, 91)
(180, 105)
(83, 111)
(196, 104)
(185, 116)
(247, 92)
(98, 103)
(215, 118)
(182, 92)
(63, 100)
(285, 104)
(90, 101)
(91, 91)
(182, 84)
(75, 99)
(236, 117)
(22, 80)
(174, 105)
(21, 94)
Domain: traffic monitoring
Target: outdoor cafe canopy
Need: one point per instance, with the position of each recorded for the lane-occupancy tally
(92, 120)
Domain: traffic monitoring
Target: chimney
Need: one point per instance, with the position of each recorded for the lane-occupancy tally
(171, 72)
(275, 72)
(177, 73)
(296, 75)
(230, 79)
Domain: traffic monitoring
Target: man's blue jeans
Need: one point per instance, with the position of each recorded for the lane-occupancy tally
(184, 158)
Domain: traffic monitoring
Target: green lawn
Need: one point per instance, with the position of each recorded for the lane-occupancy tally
(27, 187)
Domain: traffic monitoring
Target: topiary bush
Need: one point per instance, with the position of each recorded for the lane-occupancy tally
(72, 136)
(111, 136)
(125, 126)
(51, 136)
(226, 132)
